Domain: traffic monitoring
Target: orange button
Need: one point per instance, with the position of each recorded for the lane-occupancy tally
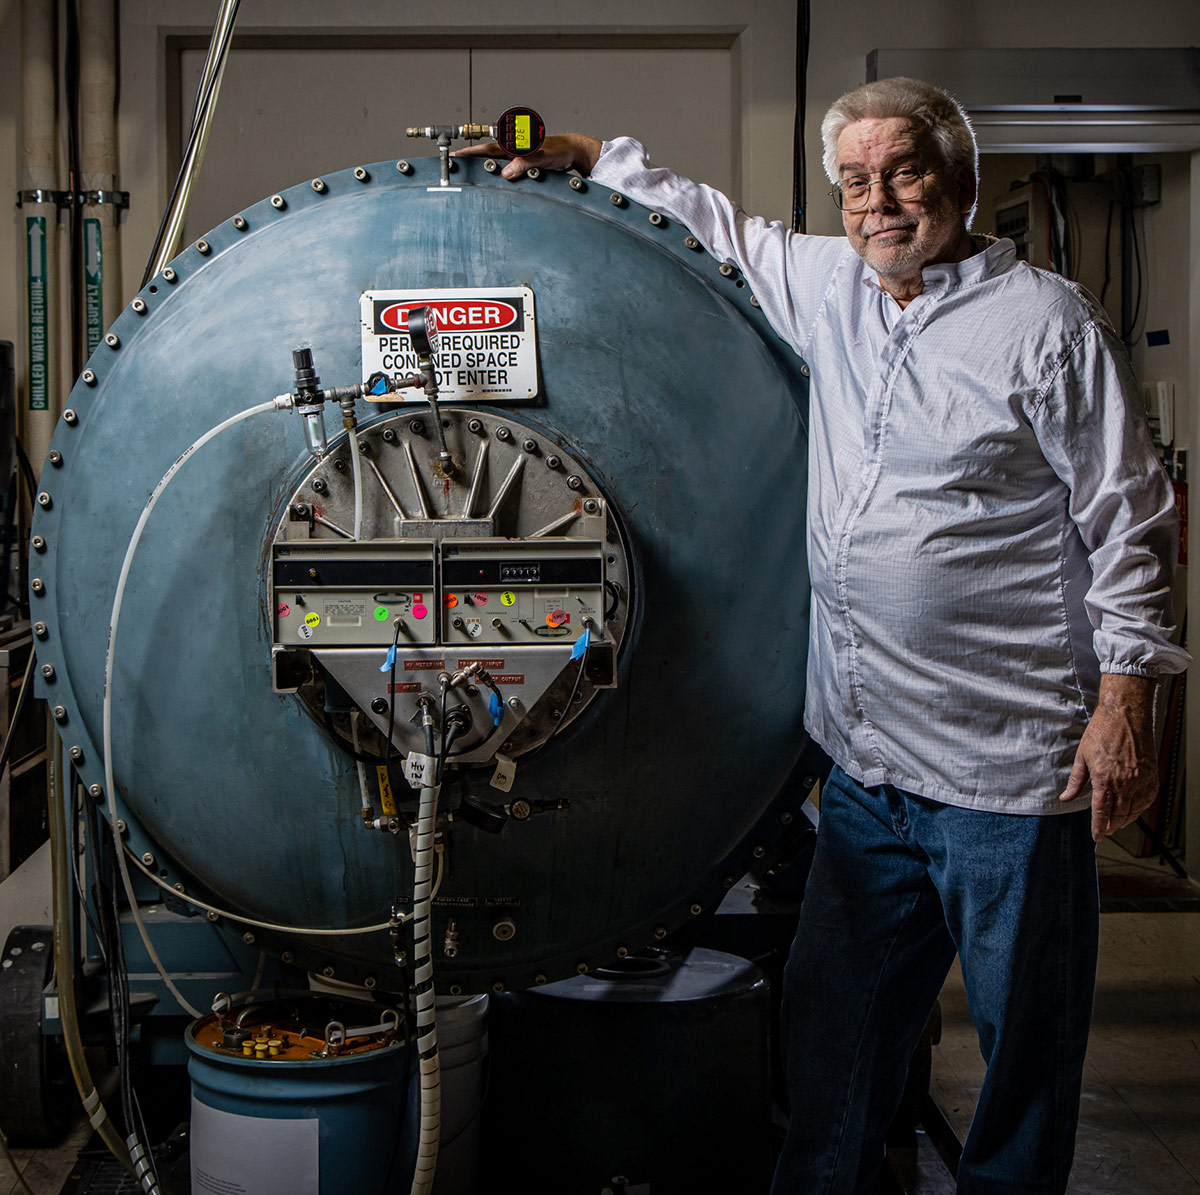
(451, 600)
(557, 618)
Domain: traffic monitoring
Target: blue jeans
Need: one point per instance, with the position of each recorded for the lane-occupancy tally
(898, 885)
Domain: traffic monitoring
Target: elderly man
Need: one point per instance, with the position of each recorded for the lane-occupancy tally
(991, 541)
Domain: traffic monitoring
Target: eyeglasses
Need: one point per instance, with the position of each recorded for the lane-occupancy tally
(903, 182)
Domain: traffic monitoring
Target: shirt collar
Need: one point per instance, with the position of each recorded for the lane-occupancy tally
(994, 256)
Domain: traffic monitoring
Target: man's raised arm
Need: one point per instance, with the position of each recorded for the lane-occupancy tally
(560, 151)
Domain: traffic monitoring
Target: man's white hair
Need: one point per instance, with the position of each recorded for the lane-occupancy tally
(911, 100)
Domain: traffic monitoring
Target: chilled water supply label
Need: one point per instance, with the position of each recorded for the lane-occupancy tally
(487, 347)
(93, 282)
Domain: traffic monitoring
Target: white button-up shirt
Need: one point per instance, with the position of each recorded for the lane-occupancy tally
(989, 527)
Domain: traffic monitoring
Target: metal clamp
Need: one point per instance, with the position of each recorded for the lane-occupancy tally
(43, 195)
(119, 199)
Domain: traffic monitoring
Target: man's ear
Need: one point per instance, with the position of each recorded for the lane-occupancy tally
(968, 189)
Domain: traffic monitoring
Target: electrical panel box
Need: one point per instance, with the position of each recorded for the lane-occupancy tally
(1023, 215)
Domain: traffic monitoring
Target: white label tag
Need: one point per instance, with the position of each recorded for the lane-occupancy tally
(505, 773)
(487, 346)
(252, 1155)
(420, 770)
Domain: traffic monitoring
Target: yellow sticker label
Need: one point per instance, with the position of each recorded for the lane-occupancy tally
(312, 619)
(385, 791)
(508, 597)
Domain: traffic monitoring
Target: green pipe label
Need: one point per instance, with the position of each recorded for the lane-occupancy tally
(35, 232)
(93, 282)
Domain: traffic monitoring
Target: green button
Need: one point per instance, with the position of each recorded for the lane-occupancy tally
(381, 613)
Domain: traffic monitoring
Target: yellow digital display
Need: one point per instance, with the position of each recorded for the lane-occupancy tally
(523, 132)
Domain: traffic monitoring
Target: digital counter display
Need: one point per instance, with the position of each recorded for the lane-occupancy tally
(520, 132)
(521, 572)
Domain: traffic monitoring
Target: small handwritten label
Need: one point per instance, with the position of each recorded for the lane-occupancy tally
(420, 770)
(502, 777)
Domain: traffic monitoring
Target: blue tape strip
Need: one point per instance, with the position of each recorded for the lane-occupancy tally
(496, 709)
(581, 644)
(388, 664)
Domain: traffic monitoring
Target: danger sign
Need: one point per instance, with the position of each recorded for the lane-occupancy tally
(486, 347)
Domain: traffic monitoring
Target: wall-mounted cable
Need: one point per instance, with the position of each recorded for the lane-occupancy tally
(799, 156)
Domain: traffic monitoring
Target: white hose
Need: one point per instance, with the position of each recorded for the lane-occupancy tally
(431, 1078)
(362, 771)
(356, 461)
(110, 787)
(299, 930)
(425, 856)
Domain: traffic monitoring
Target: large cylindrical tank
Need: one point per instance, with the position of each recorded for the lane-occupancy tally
(666, 415)
(277, 1109)
(657, 1071)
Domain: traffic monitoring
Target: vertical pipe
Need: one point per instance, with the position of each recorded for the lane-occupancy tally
(98, 135)
(39, 175)
(1191, 707)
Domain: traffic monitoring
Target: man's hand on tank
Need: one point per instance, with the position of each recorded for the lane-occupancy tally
(561, 151)
(1117, 754)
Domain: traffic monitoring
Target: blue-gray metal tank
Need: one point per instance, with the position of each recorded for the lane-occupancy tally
(656, 369)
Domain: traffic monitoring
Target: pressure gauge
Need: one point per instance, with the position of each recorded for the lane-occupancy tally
(520, 132)
(423, 331)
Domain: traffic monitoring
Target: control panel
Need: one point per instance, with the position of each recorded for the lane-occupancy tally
(501, 591)
(331, 593)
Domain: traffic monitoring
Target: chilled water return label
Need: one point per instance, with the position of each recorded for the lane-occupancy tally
(35, 232)
(487, 343)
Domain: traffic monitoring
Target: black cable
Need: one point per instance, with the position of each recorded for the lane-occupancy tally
(84, 903)
(118, 982)
(106, 899)
(387, 746)
(22, 694)
(1137, 257)
(1107, 250)
(347, 745)
(26, 469)
(567, 708)
(10, 537)
(75, 182)
(199, 113)
(409, 1029)
(615, 590)
(441, 761)
(799, 157)
(118, 993)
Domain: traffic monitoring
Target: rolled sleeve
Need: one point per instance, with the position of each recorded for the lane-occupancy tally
(1092, 427)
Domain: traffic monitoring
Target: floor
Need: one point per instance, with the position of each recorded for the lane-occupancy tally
(1140, 1116)
(1140, 1120)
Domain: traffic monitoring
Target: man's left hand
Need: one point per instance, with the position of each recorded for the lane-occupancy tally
(1117, 754)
